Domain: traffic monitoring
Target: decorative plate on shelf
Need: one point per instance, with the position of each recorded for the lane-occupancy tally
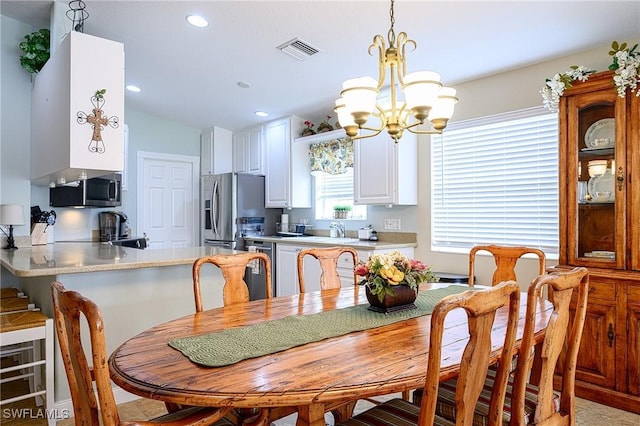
(602, 188)
(601, 254)
(601, 134)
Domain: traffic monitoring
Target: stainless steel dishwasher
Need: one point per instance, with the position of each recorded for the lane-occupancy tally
(255, 277)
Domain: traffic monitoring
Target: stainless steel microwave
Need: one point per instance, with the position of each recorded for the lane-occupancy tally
(104, 191)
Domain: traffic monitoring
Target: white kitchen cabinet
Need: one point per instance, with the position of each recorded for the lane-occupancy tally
(385, 172)
(248, 151)
(65, 147)
(216, 151)
(287, 270)
(287, 169)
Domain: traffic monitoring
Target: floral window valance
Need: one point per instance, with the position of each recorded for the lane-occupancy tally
(333, 157)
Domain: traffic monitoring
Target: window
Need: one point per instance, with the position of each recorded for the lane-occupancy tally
(495, 180)
(334, 190)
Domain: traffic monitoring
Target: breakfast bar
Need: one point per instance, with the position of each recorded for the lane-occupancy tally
(135, 289)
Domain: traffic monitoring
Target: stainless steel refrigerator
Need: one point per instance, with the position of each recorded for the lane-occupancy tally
(227, 197)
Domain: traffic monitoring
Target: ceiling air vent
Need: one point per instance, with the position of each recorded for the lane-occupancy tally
(299, 49)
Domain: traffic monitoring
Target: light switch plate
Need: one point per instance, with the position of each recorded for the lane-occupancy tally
(392, 224)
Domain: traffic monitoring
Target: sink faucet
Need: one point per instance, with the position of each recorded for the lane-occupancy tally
(340, 229)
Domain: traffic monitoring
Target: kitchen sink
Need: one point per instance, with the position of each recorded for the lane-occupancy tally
(139, 243)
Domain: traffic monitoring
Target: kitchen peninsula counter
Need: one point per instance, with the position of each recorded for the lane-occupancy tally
(74, 258)
(134, 289)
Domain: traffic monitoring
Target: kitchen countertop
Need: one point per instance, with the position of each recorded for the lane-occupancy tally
(72, 258)
(329, 242)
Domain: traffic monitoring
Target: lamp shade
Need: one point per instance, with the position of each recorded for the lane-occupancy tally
(11, 214)
(421, 89)
(359, 94)
(443, 109)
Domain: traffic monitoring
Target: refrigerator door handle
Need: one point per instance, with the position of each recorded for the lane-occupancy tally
(214, 207)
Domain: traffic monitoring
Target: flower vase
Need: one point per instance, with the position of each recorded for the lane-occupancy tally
(308, 132)
(403, 299)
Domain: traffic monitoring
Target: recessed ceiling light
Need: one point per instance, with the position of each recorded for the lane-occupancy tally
(132, 88)
(244, 84)
(197, 21)
(261, 114)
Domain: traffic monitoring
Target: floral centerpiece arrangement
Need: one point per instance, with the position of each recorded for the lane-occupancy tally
(626, 64)
(384, 272)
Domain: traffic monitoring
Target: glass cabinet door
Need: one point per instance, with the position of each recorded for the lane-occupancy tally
(596, 138)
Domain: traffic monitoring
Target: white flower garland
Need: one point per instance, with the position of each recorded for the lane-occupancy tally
(555, 87)
(626, 64)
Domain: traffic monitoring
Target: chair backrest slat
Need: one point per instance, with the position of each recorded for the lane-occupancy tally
(481, 307)
(233, 268)
(562, 337)
(328, 258)
(505, 258)
(69, 306)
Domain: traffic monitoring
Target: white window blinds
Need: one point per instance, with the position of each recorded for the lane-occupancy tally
(333, 190)
(495, 180)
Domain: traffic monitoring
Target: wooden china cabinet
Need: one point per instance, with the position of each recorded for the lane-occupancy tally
(600, 229)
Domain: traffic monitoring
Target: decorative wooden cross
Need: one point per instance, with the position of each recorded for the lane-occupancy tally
(97, 121)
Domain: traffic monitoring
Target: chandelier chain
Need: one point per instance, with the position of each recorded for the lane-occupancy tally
(392, 34)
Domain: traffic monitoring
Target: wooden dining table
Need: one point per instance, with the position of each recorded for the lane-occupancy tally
(315, 377)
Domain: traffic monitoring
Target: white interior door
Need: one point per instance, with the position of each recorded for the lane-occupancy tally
(168, 201)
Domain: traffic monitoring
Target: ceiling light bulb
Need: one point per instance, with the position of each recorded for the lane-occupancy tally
(197, 21)
(261, 114)
(132, 88)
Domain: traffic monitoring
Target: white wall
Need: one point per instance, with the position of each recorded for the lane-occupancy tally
(508, 91)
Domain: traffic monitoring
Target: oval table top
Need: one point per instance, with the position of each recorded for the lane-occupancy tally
(313, 377)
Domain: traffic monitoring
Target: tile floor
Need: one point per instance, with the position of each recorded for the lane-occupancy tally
(588, 413)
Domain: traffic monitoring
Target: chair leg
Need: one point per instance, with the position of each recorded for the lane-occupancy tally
(261, 420)
(406, 395)
(344, 412)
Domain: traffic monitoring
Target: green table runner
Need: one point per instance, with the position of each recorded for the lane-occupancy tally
(237, 344)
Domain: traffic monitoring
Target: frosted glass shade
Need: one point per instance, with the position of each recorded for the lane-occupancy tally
(444, 107)
(421, 89)
(344, 115)
(360, 94)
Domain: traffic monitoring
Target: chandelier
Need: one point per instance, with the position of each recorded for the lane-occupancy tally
(426, 101)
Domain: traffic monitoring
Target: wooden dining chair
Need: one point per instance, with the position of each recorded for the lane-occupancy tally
(235, 290)
(233, 268)
(532, 400)
(328, 258)
(69, 306)
(505, 258)
(481, 307)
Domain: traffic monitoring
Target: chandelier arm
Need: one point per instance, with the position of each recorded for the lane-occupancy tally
(403, 41)
(379, 43)
(370, 135)
(423, 132)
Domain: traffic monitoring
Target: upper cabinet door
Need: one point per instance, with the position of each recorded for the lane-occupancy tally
(248, 151)
(385, 172)
(287, 170)
(216, 151)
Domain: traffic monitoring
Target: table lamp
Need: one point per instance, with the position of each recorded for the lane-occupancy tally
(11, 215)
